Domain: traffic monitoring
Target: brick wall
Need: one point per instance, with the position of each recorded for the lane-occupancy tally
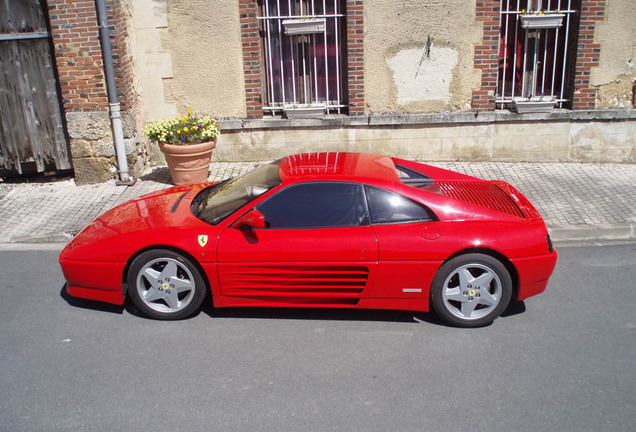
(252, 58)
(78, 54)
(79, 57)
(355, 56)
(487, 55)
(253, 70)
(119, 19)
(587, 54)
(81, 75)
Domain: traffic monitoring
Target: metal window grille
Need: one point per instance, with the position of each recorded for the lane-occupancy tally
(533, 50)
(303, 53)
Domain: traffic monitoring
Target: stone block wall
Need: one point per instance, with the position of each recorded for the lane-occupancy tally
(608, 136)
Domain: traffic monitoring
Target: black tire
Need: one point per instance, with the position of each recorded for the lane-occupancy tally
(471, 290)
(165, 285)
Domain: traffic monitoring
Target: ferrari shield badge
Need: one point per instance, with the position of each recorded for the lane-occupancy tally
(203, 240)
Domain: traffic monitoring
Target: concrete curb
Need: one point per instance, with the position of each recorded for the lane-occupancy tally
(592, 232)
(61, 238)
(20, 247)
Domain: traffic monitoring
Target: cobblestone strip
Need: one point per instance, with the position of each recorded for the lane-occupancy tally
(52, 211)
(568, 195)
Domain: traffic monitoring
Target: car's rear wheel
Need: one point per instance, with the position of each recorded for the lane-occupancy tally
(165, 285)
(471, 290)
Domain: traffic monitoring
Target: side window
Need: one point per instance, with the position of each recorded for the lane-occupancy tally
(316, 205)
(389, 207)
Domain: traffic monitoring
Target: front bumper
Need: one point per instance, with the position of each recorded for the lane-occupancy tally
(92, 280)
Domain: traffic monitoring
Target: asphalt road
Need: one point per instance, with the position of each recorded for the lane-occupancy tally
(565, 360)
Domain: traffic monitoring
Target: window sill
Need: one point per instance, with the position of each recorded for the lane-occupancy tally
(431, 119)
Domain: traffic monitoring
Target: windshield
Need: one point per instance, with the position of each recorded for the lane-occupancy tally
(217, 202)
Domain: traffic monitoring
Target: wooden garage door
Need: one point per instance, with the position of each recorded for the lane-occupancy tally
(31, 128)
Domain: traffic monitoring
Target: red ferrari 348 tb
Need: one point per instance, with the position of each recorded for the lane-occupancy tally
(337, 230)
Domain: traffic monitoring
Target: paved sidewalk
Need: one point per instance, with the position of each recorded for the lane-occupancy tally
(577, 201)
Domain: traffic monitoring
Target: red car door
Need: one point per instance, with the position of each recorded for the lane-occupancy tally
(318, 250)
(408, 261)
(407, 234)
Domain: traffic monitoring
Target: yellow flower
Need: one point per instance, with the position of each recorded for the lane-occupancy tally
(179, 131)
(195, 127)
(185, 129)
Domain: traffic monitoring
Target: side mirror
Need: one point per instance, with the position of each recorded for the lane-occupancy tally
(251, 219)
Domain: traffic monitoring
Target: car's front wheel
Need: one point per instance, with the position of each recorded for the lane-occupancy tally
(471, 290)
(165, 285)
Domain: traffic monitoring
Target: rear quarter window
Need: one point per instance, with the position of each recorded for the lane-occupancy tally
(390, 207)
(412, 177)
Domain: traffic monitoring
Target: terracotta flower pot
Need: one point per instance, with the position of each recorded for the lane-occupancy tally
(188, 163)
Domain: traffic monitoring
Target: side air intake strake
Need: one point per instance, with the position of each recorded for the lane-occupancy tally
(338, 284)
(485, 194)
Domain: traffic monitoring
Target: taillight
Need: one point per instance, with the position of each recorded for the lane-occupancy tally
(549, 240)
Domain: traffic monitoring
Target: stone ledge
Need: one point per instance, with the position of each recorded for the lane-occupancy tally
(433, 119)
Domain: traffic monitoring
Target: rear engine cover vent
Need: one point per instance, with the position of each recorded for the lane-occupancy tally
(485, 194)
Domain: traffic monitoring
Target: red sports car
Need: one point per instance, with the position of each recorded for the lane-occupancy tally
(337, 230)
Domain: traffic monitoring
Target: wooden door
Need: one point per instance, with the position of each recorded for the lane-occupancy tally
(31, 127)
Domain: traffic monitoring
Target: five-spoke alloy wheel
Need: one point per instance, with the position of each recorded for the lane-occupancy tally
(471, 290)
(165, 285)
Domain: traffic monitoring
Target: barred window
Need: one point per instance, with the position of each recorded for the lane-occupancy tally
(533, 51)
(303, 44)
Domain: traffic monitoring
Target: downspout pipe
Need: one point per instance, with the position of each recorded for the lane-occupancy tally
(111, 87)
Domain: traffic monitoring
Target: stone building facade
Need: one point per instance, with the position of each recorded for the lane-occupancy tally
(420, 76)
(422, 79)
